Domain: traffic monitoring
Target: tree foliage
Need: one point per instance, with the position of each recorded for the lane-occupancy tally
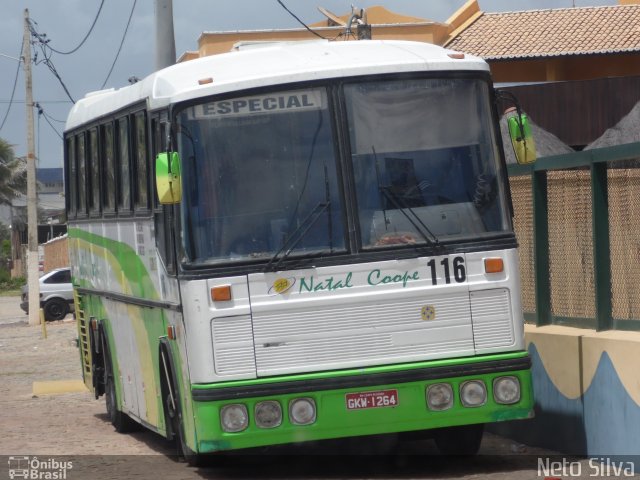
(13, 174)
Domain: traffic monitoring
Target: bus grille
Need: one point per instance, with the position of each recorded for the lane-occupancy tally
(372, 333)
(492, 323)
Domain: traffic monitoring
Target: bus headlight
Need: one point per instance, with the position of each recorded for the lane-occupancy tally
(234, 417)
(439, 396)
(473, 393)
(506, 390)
(302, 411)
(268, 414)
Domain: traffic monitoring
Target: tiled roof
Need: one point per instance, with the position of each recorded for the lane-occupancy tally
(552, 33)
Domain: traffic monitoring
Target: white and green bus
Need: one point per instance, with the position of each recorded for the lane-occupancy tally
(298, 241)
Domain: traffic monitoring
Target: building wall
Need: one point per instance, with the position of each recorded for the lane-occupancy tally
(581, 67)
(212, 43)
(56, 254)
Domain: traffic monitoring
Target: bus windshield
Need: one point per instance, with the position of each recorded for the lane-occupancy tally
(261, 176)
(425, 161)
(261, 172)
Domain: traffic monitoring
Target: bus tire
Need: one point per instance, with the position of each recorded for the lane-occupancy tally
(463, 440)
(173, 413)
(120, 420)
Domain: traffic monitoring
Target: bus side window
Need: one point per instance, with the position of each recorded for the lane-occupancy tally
(82, 174)
(71, 181)
(108, 167)
(94, 173)
(124, 167)
(141, 163)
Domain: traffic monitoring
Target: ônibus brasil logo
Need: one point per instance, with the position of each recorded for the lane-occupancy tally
(34, 468)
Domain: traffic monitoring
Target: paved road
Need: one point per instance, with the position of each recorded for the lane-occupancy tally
(74, 428)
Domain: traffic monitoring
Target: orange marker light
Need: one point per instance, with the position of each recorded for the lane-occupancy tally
(456, 55)
(493, 265)
(205, 81)
(221, 294)
(171, 332)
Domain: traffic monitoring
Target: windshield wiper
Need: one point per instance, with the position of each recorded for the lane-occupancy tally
(418, 224)
(297, 235)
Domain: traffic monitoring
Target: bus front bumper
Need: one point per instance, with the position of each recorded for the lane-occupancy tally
(368, 401)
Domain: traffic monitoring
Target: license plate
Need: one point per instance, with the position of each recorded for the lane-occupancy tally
(381, 398)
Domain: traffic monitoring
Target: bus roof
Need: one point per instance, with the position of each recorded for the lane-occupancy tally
(270, 64)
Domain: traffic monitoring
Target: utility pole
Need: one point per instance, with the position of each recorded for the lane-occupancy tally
(165, 39)
(33, 270)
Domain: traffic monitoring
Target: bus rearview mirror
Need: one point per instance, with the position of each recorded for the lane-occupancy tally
(524, 146)
(168, 182)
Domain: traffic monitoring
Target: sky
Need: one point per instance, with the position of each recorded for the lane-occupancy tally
(66, 22)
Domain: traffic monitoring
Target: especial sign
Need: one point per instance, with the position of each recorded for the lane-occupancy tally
(282, 102)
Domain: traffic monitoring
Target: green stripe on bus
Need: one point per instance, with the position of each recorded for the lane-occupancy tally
(134, 269)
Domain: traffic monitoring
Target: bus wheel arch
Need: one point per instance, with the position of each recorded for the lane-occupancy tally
(172, 405)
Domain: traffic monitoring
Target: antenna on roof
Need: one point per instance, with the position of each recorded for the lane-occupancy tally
(359, 17)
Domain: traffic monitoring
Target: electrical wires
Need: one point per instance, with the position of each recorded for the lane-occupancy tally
(47, 118)
(42, 42)
(126, 29)
(93, 24)
(299, 21)
(13, 91)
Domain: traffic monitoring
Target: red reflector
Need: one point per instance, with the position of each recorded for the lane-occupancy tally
(456, 55)
(171, 332)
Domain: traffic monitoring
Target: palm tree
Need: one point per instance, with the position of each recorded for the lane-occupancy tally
(13, 174)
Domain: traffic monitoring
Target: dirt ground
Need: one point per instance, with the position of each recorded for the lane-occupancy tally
(73, 427)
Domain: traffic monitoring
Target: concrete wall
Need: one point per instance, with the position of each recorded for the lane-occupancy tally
(587, 391)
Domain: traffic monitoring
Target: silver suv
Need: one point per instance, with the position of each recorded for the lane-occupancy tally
(56, 294)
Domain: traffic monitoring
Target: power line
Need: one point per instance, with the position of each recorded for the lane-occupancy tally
(13, 90)
(43, 37)
(126, 29)
(54, 119)
(52, 127)
(42, 43)
(42, 113)
(300, 21)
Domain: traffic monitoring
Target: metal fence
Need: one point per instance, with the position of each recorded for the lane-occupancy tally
(577, 219)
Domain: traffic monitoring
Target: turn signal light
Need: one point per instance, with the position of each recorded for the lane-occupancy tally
(493, 265)
(221, 293)
(171, 332)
